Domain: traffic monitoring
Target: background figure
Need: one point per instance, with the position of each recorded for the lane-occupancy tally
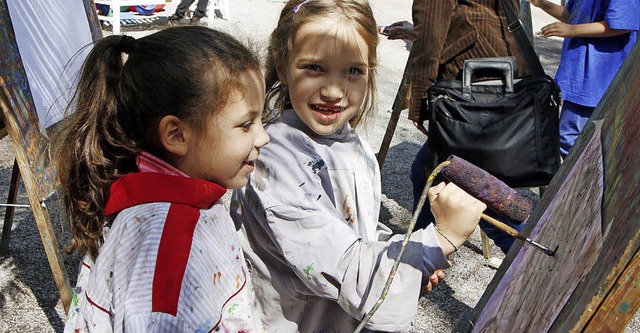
(599, 34)
(198, 14)
(399, 30)
(309, 215)
(448, 32)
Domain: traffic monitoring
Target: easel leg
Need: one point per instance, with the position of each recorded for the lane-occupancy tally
(47, 234)
(541, 190)
(486, 247)
(398, 105)
(53, 253)
(8, 215)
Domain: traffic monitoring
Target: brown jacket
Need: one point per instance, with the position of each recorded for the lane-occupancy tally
(448, 32)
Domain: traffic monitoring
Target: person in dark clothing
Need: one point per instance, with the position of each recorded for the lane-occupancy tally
(201, 11)
(445, 34)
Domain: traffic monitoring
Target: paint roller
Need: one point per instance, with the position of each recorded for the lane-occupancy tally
(497, 195)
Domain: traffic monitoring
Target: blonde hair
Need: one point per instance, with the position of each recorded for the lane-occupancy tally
(358, 13)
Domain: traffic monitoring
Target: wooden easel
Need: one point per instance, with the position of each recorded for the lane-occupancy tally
(20, 122)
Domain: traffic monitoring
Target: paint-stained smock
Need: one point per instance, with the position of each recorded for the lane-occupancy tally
(319, 257)
(171, 261)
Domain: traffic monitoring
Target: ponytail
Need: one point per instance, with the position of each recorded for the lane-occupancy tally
(92, 149)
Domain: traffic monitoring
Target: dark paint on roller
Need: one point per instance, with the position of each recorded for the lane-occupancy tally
(480, 184)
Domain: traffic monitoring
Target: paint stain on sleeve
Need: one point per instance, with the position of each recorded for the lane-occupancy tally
(216, 277)
(348, 212)
(307, 271)
(317, 166)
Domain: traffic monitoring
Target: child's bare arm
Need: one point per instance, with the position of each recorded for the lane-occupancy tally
(560, 13)
(595, 29)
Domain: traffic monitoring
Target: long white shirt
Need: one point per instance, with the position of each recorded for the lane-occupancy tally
(310, 228)
(171, 262)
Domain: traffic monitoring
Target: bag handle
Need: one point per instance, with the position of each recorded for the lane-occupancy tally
(503, 65)
(529, 54)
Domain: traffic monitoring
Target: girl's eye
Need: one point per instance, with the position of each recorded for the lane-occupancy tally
(314, 68)
(247, 125)
(354, 71)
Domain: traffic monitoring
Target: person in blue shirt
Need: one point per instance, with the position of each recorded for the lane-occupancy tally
(599, 34)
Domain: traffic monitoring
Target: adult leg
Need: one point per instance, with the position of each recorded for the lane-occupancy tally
(420, 170)
(573, 118)
(201, 8)
(183, 6)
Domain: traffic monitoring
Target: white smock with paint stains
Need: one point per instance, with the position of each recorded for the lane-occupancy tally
(310, 229)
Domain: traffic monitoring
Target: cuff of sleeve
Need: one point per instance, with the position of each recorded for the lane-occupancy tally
(415, 105)
(418, 92)
(433, 256)
(621, 24)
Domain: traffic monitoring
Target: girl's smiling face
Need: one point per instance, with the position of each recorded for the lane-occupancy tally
(327, 74)
(225, 150)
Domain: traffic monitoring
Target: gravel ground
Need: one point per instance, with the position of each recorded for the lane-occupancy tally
(28, 297)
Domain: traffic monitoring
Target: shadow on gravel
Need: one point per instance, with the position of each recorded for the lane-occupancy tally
(27, 260)
(442, 297)
(395, 172)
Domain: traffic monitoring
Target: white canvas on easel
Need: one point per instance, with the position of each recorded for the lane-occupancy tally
(48, 50)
